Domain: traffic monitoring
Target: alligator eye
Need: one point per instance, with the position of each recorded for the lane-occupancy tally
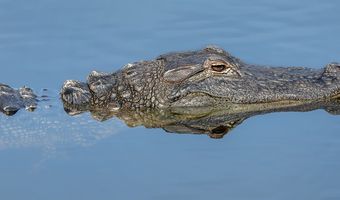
(218, 67)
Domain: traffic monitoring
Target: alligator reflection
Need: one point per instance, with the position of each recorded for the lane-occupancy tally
(213, 121)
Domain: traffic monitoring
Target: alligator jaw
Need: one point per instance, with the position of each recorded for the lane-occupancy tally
(266, 85)
(96, 93)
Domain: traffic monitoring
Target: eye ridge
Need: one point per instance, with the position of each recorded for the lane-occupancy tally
(218, 67)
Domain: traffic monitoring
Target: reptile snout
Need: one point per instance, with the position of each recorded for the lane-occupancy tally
(75, 93)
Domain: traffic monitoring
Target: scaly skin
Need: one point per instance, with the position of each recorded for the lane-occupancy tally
(202, 92)
(207, 77)
(12, 100)
(203, 78)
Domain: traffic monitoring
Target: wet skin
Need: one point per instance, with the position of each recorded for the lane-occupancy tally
(175, 90)
(207, 77)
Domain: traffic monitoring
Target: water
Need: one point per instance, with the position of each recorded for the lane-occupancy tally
(55, 156)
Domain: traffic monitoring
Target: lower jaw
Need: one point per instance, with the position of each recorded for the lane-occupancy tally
(206, 102)
(201, 99)
(204, 99)
(195, 100)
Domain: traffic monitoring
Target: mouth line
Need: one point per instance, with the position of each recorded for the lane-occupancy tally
(199, 100)
(223, 99)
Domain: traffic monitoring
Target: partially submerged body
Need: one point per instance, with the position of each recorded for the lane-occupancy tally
(208, 77)
(11, 100)
(191, 85)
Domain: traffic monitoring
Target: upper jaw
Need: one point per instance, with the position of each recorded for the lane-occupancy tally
(266, 84)
(75, 93)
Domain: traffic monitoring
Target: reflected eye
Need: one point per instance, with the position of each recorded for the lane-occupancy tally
(219, 130)
(218, 67)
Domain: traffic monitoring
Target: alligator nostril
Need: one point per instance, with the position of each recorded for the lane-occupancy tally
(68, 91)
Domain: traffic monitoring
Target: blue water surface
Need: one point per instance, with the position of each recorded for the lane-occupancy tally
(50, 155)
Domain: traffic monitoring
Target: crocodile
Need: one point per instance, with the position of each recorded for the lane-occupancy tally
(192, 84)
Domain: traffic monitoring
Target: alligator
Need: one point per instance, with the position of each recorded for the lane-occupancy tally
(11, 100)
(190, 81)
(210, 76)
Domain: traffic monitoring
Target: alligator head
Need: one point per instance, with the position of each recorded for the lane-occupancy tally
(207, 77)
(12, 100)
